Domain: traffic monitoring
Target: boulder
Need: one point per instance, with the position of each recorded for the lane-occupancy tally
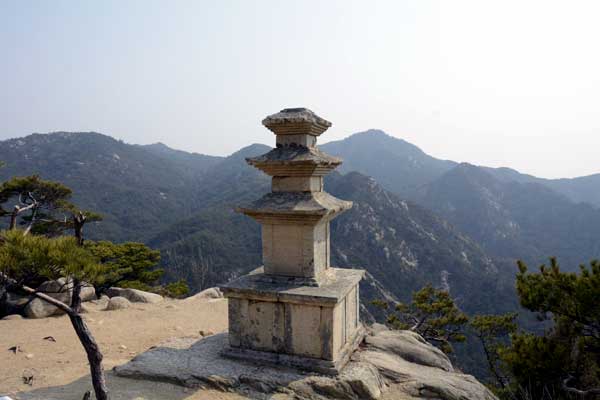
(117, 303)
(58, 289)
(61, 291)
(210, 293)
(378, 366)
(102, 302)
(200, 364)
(377, 327)
(134, 295)
(13, 303)
(411, 347)
(38, 308)
(88, 293)
(420, 381)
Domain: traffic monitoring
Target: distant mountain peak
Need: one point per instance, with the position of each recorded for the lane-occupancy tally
(252, 150)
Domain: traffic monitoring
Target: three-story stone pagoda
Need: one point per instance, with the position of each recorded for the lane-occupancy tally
(296, 309)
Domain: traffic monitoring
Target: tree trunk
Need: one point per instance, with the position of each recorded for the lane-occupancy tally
(13, 218)
(78, 222)
(94, 356)
(89, 344)
(83, 333)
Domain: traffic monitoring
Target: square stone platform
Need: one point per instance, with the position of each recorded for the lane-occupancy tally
(309, 327)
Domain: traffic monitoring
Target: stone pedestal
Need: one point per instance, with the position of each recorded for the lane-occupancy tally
(296, 310)
(309, 327)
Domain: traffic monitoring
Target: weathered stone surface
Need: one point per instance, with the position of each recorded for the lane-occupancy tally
(58, 289)
(200, 364)
(12, 317)
(296, 121)
(257, 286)
(13, 303)
(38, 308)
(210, 293)
(117, 303)
(102, 302)
(134, 295)
(377, 327)
(61, 290)
(194, 363)
(425, 382)
(88, 293)
(411, 347)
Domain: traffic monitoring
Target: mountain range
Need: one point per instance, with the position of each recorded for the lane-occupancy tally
(415, 220)
(149, 193)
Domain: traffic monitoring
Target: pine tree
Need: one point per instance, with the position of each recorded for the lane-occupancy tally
(432, 314)
(36, 202)
(24, 258)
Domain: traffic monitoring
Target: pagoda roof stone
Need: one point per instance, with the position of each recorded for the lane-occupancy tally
(296, 206)
(295, 161)
(296, 121)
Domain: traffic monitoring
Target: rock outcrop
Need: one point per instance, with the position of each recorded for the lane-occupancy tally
(398, 361)
(134, 295)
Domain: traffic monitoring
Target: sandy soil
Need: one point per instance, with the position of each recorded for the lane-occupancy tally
(60, 369)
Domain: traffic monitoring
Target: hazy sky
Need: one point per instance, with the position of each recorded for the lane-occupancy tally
(499, 83)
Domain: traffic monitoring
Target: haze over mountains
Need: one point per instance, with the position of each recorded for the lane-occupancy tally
(180, 201)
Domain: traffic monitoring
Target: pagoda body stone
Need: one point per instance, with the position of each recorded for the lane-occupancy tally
(296, 309)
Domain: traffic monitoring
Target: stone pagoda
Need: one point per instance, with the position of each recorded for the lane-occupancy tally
(296, 309)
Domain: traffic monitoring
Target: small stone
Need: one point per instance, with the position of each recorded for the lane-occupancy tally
(204, 333)
(28, 377)
(29, 356)
(123, 347)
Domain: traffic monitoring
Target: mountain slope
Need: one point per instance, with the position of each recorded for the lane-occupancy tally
(401, 245)
(139, 190)
(584, 189)
(396, 164)
(192, 162)
(515, 220)
(136, 190)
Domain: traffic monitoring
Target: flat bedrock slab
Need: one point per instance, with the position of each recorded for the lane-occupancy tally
(198, 363)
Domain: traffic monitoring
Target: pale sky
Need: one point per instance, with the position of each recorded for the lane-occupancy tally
(497, 83)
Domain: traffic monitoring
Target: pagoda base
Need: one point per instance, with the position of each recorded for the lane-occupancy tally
(310, 327)
(305, 363)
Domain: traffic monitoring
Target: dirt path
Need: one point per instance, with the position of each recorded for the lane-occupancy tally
(60, 369)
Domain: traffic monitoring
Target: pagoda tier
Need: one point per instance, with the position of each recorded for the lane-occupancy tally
(298, 160)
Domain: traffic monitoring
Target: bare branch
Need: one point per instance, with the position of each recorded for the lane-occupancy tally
(580, 392)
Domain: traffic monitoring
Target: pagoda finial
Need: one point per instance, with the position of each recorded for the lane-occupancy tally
(299, 126)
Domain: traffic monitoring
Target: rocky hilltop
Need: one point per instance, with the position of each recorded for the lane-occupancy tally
(159, 342)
